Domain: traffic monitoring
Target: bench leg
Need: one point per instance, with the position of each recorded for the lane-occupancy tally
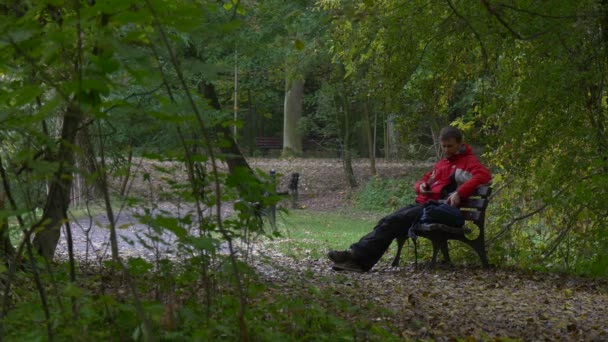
(481, 251)
(445, 251)
(440, 244)
(436, 247)
(480, 247)
(400, 242)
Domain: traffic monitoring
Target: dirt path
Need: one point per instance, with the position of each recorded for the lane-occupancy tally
(460, 303)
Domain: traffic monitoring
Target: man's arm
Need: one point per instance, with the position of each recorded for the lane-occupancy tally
(422, 185)
(480, 175)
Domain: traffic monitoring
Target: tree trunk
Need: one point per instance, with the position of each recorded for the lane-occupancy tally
(347, 151)
(6, 247)
(369, 137)
(58, 199)
(294, 95)
(231, 151)
(392, 138)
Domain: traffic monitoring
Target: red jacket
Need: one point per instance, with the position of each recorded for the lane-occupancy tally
(467, 172)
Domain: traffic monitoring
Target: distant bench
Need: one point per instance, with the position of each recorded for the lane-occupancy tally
(276, 143)
(269, 143)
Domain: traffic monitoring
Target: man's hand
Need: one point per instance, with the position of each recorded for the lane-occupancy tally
(454, 199)
(424, 188)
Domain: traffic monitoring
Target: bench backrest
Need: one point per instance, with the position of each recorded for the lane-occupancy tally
(474, 208)
(269, 142)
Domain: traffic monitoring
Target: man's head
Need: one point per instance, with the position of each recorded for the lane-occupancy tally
(451, 140)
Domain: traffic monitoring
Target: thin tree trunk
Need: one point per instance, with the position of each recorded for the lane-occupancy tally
(7, 251)
(125, 181)
(231, 151)
(370, 139)
(347, 161)
(58, 199)
(294, 95)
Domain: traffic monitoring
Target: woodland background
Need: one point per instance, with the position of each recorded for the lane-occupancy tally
(90, 90)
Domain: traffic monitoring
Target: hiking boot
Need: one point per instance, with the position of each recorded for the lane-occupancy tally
(340, 256)
(348, 265)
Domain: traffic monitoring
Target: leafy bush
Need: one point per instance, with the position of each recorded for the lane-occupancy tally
(385, 194)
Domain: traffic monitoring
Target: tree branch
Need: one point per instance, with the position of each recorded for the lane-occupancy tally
(542, 15)
(562, 234)
(484, 52)
(507, 226)
(504, 23)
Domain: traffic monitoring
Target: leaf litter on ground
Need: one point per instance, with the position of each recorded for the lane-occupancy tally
(461, 302)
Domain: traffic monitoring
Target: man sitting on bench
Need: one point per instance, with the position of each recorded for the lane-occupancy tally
(454, 177)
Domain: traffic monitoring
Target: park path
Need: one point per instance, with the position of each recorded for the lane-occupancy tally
(91, 235)
(464, 302)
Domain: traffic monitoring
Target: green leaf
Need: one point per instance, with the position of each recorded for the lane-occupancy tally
(55, 3)
(139, 266)
(298, 44)
(71, 290)
(202, 243)
(131, 17)
(137, 333)
(106, 64)
(19, 35)
(26, 94)
(171, 224)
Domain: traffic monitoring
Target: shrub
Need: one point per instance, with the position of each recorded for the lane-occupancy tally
(385, 194)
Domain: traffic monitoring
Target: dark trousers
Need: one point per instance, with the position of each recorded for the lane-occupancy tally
(372, 246)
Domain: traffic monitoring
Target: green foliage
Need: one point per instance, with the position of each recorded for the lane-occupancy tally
(183, 314)
(386, 195)
(524, 79)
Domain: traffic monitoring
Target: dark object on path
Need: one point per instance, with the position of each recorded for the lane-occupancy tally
(293, 190)
(473, 209)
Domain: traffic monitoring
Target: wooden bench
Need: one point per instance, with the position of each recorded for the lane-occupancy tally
(269, 143)
(474, 210)
(276, 143)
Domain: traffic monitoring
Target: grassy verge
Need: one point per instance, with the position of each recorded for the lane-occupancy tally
(311, 234)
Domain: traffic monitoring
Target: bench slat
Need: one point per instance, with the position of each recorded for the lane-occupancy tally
(433, 227)
(471, 215)
(269, 142)
(482, 190)
(477, 203)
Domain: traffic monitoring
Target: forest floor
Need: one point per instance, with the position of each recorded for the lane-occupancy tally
(463, 302)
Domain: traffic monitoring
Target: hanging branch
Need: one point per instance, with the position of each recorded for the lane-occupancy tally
(211, 153)
(508, 226)
(562, 234)
(190, 166)
(17, 256)
(477, 35)
(504, 23)
(547, 16)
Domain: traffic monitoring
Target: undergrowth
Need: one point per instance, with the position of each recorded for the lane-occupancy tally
(97, 307)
